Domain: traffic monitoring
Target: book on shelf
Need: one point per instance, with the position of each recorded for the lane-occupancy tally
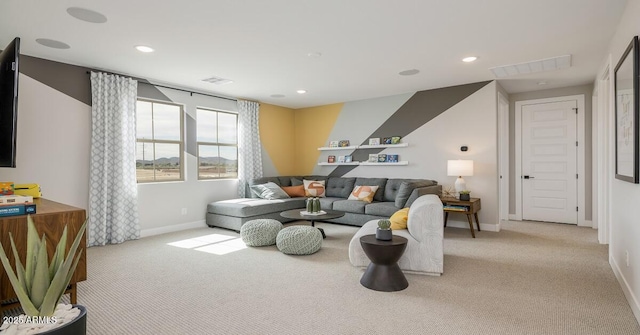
(456, 208)
(340, 159)
(331, 159)
(392, 158)
(382, 158)
(20, 209)
(373, 158)
(15, 199)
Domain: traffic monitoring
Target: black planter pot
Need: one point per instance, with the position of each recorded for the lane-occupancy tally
(75, 327)
(465, 197)
(384, 234)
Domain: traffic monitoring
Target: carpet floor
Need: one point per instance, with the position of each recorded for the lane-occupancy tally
(530, 278)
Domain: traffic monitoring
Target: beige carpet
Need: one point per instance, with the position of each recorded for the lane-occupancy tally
(531, 278)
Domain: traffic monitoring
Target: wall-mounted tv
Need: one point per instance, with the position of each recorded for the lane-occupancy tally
(9, 103)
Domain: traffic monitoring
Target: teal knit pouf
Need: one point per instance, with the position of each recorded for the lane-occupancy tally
(299, 240)
(260, 232)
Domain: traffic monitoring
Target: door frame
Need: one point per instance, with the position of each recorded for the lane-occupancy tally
(503, 160)
(580, 154)
(603, 118)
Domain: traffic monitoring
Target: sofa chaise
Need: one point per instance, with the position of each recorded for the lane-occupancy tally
(392, 195)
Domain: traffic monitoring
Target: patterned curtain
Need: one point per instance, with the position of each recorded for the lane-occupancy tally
(113, 192)
(249, 147)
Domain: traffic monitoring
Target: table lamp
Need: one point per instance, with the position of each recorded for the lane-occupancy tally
(460, 168)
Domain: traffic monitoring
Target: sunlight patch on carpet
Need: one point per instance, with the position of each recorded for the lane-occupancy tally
(213, 243)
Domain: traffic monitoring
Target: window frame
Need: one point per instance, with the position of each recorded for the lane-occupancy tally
(153, 141)
(218, 144)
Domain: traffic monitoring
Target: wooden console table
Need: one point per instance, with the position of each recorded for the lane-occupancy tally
(50, 219)
(469, 208)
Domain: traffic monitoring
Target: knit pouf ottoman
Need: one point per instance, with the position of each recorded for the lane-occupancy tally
(260, 232)
(299, 240)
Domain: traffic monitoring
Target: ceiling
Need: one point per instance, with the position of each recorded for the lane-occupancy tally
(271, 47)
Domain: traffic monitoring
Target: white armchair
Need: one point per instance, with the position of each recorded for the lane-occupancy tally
(425, 233)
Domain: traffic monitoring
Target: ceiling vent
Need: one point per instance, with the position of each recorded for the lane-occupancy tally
(218, 81)
(548, 64)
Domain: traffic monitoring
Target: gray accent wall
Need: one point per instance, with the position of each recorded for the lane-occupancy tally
(71, 80)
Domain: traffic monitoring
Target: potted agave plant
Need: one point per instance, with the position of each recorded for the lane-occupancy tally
(40, 285)
(465, 195)
(383, 232)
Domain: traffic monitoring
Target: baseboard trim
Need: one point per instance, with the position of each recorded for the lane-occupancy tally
(172, 228)
(626, 289)
(514, 217)
(495, 227)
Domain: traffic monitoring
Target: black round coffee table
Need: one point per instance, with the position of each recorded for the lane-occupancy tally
(296, 214)
(384, 274)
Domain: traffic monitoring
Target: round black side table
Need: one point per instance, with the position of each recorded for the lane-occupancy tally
(384, 274)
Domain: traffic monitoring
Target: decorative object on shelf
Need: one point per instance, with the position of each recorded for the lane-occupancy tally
(6, 188)
(340, 159)
(386, 140)
(374, 141)
(465, 195)
(395, 139)
(627, 115)
(348, 159)
(373, 158)
(382, 158)
(460, 168)
(333, 144)
(383, 232)
(40, 285)
(331, 159)
(393, 158)
(343, 143)
(448, 192)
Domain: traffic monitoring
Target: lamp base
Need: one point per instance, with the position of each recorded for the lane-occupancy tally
(460, 185)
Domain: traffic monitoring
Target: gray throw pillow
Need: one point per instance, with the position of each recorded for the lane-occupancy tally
(405, 190)
(269, 191)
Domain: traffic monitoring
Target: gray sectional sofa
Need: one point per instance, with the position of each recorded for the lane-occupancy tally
(393, 194)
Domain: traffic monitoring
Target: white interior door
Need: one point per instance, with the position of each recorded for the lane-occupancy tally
(549, 162)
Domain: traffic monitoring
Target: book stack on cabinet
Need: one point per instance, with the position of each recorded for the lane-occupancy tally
(12, 204)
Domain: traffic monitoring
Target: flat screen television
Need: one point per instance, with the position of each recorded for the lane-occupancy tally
(9, 62)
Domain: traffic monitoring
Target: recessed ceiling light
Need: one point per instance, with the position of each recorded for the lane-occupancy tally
(277, 96)
(144, 48)
(301, 91)
(86, 15)
(409, 72)
(314, 54)
(469, 59)
(53, 43)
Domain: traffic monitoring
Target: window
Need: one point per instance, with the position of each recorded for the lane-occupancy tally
(158, 141)
(217, 144)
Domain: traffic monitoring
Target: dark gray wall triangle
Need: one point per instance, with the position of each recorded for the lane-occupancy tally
(71, 80)
(421, 108)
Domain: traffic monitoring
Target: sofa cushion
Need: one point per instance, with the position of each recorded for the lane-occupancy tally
(327, 203)
(269, 191)
(407, 187)
(351, 206)
(391, 189)
(314, 188)
(380, 182)
(340, 187)
(260, 181)
(385, 209)
(363, 193)
(294, 191)
(245, 207)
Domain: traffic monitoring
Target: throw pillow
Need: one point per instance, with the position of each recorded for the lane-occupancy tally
(399, 219)
(294, 191)
(314, 188)
(363, 193)
(269, 191)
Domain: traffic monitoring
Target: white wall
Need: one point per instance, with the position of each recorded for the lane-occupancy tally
(53, 143)
(625, 197)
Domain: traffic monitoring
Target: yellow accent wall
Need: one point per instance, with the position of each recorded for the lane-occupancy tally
(312, 128)
(277, 125)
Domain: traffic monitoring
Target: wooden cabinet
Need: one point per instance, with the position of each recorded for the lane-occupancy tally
(469, 208)
(50, 219)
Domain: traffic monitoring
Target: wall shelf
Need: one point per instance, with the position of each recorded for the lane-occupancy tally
(385, 163)
(333, 164)
(365, 146)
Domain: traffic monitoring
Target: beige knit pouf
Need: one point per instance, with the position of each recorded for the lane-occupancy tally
(260, 232)
(299, 240)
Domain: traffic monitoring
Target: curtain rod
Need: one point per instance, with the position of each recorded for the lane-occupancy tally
(174, 88)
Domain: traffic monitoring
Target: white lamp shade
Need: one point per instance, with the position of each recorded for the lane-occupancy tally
(460, 168)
